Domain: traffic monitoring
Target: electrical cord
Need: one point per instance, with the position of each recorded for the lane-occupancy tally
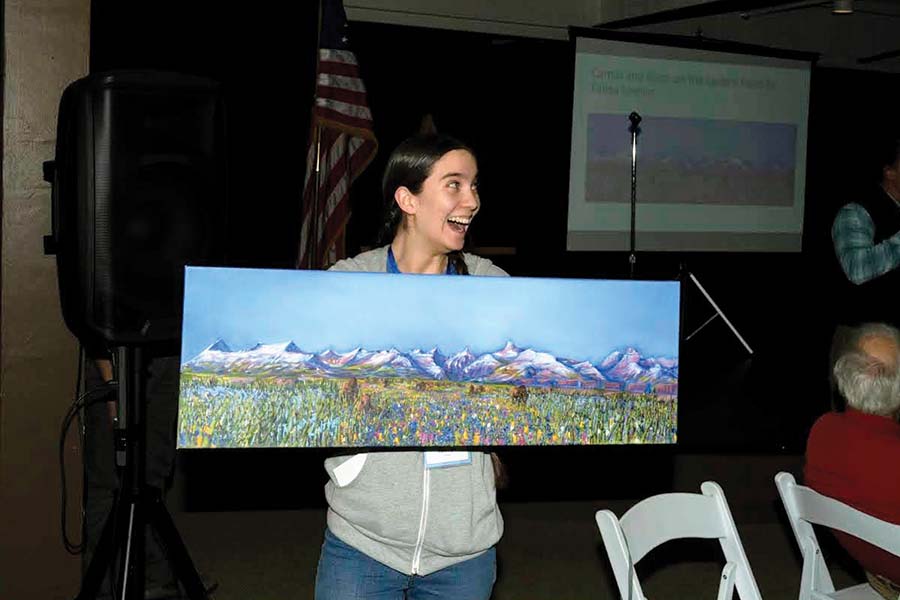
(82, 401)
(70, 547)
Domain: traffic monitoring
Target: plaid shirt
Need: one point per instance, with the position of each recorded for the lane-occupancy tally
(853, 234)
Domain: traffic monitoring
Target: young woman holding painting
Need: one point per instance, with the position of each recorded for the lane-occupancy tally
(416, 524)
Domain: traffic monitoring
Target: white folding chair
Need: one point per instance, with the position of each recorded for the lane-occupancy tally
(666, 517)
(806, 507)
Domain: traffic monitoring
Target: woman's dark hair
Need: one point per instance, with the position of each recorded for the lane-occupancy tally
(409, 166)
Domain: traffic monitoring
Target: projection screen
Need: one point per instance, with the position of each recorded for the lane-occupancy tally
(720, 153)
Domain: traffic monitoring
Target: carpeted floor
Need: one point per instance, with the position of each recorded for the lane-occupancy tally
(550, 551)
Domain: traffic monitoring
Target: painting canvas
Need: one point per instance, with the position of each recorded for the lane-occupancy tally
(278, 358)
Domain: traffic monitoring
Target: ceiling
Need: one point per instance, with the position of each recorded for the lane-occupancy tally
(857, 41)
(865, 39)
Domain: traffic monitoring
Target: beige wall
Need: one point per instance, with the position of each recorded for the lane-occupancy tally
(46, 44)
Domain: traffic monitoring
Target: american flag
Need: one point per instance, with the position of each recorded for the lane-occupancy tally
(341, 143)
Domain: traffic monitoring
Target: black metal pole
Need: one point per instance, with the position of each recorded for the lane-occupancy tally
(131, 398)
(635, 120)
(138, 506)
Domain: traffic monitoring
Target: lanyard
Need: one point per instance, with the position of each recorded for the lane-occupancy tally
(393, 268)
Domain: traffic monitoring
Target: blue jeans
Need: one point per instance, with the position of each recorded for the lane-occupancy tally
(345, 573)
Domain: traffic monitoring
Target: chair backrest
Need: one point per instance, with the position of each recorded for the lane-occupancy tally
(804, 507)
(659, 519)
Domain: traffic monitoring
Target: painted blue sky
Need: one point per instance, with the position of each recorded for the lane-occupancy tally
(571, 318)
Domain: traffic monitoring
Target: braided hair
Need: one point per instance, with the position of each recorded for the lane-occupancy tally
(409, 166)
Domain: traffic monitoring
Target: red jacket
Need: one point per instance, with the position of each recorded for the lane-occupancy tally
(854, 457)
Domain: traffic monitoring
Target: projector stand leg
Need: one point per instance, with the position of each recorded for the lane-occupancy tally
(718, 313)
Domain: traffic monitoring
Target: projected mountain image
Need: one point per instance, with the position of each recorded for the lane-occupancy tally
(692, 161)
(377, 360)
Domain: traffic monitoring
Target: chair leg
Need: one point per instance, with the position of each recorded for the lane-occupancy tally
(726, 585)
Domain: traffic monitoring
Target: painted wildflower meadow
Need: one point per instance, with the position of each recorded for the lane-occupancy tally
(356, 373)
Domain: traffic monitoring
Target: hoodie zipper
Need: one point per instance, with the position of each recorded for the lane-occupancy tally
(420, 540)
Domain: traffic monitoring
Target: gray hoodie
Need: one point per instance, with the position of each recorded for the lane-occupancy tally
(389, 506)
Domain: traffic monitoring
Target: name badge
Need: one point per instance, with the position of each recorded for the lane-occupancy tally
(437, 460)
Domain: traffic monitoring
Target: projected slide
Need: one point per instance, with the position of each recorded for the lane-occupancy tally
(693, 161)
(721, 149)
(318, 359)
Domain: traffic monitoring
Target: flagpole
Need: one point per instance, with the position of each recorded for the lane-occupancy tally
(333, 160)
(317, 132)
(314, 257)
(318, 36)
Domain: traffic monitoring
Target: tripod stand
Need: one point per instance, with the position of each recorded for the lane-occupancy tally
(718, 313)
(137, 505)
(634, 129)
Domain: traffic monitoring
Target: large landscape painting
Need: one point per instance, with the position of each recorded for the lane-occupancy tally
(274, 358)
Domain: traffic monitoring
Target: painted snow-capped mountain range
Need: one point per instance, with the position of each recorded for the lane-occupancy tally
(509, 365)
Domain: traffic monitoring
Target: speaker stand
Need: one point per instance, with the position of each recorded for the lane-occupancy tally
(137, 504)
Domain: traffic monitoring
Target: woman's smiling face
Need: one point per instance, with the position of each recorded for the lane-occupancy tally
(443, 209)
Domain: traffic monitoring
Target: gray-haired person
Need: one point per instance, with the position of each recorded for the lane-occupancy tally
(853, 456)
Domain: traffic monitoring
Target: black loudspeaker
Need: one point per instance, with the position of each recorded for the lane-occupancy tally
(139, 191)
